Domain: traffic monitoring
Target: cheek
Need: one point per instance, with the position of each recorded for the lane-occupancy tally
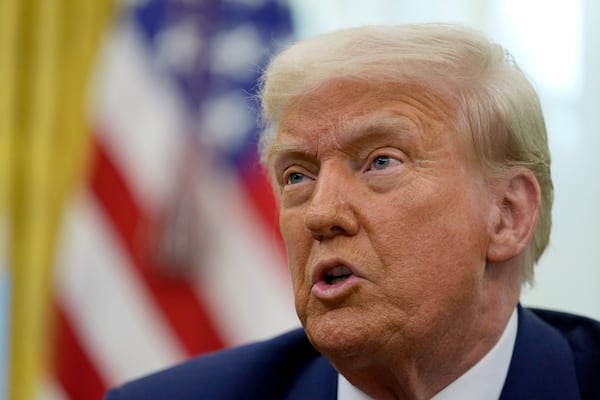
(431, 235)
(297, 247)
(431, 266)
(297, 243)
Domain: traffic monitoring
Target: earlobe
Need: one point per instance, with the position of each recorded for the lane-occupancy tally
(518, 200)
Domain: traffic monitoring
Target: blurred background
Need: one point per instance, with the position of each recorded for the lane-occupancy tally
(136, 228)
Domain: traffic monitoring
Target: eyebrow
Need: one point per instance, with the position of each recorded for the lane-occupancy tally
(357, 132)
(377, 126)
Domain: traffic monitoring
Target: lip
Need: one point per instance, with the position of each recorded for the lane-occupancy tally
(328, 292)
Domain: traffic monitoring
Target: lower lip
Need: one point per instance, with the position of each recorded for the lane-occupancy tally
(324, 291)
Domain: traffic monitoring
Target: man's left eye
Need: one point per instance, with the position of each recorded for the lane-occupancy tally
(381, 162)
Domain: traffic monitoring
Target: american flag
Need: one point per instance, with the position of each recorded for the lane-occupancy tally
(171, 248)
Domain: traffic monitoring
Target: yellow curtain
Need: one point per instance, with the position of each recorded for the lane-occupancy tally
(47, 51)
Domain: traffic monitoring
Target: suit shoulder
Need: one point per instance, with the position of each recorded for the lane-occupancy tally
(259, 369)
(582, 333)
(583, 336)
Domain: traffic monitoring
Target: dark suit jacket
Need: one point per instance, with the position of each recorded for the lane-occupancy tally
(556, 356)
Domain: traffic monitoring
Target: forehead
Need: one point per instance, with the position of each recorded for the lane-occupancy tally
(344, 110)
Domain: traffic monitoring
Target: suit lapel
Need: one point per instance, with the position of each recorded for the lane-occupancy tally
(318, 380)
(542, 365)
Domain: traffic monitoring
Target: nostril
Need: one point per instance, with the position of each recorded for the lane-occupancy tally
(317, 237)
(338, 229)
(320, 235)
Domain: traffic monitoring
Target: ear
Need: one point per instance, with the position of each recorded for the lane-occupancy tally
(518, 199)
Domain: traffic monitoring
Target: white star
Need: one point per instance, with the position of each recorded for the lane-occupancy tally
(178, 46)
(225, 120)
(237, 53)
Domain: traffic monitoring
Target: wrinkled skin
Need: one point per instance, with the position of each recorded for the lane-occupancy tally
(375, 179)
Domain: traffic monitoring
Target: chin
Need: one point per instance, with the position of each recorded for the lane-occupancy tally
(339, 334)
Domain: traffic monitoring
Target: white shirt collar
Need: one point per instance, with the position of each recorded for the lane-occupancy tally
(483, 381)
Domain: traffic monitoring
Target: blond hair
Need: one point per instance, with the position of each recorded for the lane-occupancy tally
(495, 107)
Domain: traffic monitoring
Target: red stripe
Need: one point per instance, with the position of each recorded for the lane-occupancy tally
(73, 368)
(174, 296)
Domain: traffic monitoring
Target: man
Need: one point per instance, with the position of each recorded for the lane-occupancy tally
(412, 171)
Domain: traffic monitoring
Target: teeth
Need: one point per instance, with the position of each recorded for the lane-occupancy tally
(339, 271)
(337, 274)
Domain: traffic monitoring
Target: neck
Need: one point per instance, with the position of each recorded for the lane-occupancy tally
(419, 369)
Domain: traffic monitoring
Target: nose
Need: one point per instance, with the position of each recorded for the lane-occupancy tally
(330, 212)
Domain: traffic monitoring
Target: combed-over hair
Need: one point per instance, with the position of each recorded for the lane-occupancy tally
(495, 107)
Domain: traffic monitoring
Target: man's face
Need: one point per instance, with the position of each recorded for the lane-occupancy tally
(384, 221)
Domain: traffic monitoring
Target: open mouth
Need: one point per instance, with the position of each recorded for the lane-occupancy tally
(337, 274)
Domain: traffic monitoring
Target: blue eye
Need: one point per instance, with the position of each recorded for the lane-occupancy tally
(294, 178)
(381, 162)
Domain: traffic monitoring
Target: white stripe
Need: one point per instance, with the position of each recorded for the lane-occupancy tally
(243, 274)
(49, 389)
(109, 307)
(139, 115)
